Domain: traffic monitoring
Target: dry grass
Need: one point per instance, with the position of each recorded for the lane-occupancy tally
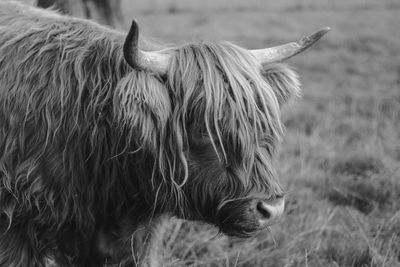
(340, 160)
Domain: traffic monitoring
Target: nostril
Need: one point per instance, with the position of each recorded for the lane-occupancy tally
(269, 210)
(263, 210)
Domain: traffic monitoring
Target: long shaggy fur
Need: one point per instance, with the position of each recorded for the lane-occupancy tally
(226, 118)
(92, 150)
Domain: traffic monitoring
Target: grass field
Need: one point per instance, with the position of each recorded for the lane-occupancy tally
(340, 160)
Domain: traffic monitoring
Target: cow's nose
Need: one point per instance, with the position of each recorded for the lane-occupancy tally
(270, 210)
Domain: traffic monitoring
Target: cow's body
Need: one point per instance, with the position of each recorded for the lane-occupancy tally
(100, 139)
(58, 189)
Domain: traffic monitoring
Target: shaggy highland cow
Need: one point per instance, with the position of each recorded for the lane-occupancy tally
(99, 138)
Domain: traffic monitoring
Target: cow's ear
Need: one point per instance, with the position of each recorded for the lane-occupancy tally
(283, 80)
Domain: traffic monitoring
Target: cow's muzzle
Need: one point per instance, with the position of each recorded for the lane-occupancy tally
(268, 211)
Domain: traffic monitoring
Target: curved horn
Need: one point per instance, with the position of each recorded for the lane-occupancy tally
(138, 59)
(283, 52)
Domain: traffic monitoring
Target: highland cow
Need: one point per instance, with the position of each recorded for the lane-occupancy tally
(99, 138)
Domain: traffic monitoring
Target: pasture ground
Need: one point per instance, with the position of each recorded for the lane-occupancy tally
(340, 159)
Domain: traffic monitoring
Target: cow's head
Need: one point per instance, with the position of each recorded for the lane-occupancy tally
(214, 128)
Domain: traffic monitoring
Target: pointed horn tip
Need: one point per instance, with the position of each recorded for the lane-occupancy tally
(323, 31)
(311, 39)
(134, 27)
(134, 23)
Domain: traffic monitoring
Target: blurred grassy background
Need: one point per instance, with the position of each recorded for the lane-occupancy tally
(340, 160)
